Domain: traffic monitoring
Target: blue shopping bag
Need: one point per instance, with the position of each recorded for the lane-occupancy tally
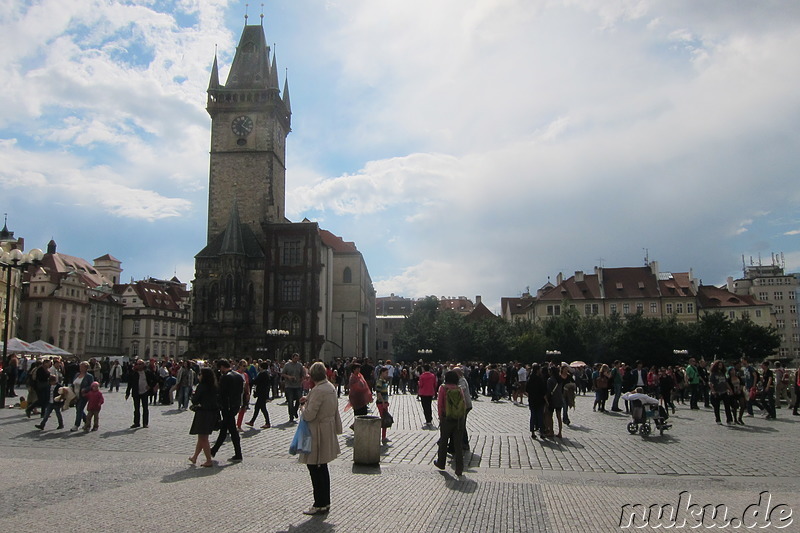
(301, 443)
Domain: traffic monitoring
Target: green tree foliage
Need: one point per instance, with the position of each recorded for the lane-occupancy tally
(591, 339)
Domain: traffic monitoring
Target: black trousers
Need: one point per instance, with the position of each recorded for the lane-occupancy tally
(228, 426)
(140, 407)
(321, 481)
(260, 407)
(426, 408)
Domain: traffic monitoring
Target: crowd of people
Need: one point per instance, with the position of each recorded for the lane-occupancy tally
(221, 393)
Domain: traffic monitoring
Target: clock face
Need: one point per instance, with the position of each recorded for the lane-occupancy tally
(242, 126)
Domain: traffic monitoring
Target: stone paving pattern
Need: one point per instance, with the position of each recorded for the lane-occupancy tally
(119, 479)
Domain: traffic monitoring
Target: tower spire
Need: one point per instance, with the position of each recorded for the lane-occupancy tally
(213, 82)
(286, 101)
(273, 73)
(246, 6)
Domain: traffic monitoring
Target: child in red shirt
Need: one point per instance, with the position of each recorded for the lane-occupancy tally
(94, 402)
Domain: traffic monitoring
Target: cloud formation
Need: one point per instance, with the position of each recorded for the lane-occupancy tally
(467, 148)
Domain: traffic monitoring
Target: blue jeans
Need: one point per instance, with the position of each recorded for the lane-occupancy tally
(183, 397)
(49, 409)
(617, 394)
(80, 415)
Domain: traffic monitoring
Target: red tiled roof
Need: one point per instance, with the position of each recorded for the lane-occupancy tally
(588, 289)
(710, 297)
(516, 306)
(629, 283)
(336, 243)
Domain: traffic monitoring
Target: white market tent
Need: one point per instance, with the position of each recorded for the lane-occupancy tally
(49, 349)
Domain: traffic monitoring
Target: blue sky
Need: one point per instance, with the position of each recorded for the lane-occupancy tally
(466, 147)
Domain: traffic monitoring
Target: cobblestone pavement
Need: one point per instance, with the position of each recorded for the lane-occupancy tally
(120, 479)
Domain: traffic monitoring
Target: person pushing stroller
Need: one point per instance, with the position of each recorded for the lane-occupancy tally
(639, 423)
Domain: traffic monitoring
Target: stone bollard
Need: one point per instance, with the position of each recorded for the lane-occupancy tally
(367, 440)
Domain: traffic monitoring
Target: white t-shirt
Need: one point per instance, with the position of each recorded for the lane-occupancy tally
(522, 374)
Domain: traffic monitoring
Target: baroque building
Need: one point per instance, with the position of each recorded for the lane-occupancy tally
(155, 318)
(260, 271)
(69, 302)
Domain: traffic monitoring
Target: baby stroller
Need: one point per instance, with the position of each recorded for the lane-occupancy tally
(641, 417)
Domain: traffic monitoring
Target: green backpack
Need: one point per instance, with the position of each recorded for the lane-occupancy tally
(455, 407)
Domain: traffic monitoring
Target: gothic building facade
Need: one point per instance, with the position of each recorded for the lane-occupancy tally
(259, 271)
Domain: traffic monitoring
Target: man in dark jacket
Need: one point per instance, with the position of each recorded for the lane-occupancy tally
(141, 382)
(231, 388)
(261, 383)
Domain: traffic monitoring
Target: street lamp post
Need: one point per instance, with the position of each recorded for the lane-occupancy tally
(423, 352)
(553, 353)
(10, 260)
(276, 335)
(14, 260)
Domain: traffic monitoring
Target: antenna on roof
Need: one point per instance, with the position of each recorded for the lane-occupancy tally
(646, 256)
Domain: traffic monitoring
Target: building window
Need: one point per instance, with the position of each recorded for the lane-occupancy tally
(626, 309)
(135, 327)
(612, 308)
(669, 309)
(732, 315)
(690, 308)
(135, 349)
(292, 253)
(778, 309)
(778, 295)
(653, 307)
(763, 295)
(780, 324)
(758, 313)
(792, 309)
(639, 307)
(290, 290)
(587, 309)
(792, 295)
(347, 276)
(553, 310)
(679, 308)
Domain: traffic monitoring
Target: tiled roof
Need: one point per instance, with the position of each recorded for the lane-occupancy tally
(516, 306)
(587, 289)
(336, 243)
(60, 265)
(711, 297)
(630, 283)
(481, 312)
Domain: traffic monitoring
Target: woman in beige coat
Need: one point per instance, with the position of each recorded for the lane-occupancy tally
(321, 412)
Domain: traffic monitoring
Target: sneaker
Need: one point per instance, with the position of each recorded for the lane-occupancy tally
(314, 510)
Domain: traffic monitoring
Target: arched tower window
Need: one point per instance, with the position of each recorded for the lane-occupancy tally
(347, 276)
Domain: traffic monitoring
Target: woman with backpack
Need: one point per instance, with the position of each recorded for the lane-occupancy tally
(452, 421)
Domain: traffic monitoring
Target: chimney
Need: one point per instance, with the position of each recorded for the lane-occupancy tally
(559, 279)
(477, 300)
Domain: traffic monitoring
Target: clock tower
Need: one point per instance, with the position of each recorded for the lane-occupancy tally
(250, 120)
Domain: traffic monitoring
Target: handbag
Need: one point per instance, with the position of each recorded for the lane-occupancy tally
(301, 443)
(386, 419)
